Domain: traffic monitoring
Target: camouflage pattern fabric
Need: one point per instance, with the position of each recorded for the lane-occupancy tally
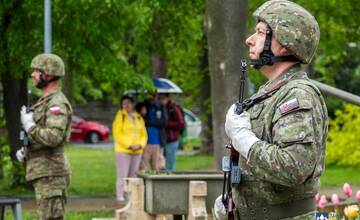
(45, 157)
(286, 164)
(293, 27)
(51, 196)
(50, 64)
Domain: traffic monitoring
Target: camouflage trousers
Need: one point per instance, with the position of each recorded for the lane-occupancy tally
(51, 193)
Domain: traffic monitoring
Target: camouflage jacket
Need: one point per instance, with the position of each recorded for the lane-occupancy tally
(289, 116)
(45, 154)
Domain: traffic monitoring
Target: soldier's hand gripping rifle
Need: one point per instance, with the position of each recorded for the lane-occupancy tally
(230, 164)
(20, 154)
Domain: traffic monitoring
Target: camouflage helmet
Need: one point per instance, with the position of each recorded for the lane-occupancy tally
(293, 27)
(49, 63)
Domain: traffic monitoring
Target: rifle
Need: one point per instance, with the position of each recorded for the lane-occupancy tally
(230, 164)
(23, 135)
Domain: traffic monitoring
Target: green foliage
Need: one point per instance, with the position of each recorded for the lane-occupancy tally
(343, 146)
(333, 104)
(14, 172)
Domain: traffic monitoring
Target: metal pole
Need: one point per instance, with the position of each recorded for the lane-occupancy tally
(47, 26)
(338, 93)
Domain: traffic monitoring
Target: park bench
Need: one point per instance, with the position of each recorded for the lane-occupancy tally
(15, 206)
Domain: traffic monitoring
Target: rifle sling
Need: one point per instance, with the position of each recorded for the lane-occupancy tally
(248, 103)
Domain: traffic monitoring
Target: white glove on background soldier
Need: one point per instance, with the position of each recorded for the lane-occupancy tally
(20, 154)
(219, 209)
(27, 120)
(238, 129)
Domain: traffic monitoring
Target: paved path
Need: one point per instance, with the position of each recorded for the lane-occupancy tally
(77, 203)
(82, 203)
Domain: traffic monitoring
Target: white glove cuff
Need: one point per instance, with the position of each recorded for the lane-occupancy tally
(20, 155)
(243, 141)
(219, 209)
(28, 125)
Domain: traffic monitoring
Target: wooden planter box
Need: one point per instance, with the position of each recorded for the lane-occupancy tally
(168, 192)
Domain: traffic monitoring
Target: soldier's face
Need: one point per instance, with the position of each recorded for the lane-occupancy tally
(256, 42)
(36, 77)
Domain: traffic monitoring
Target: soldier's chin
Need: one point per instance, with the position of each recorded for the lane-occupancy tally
(40, 85)
(35, 84)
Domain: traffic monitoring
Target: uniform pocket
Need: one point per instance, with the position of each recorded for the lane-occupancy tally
(257, 124)
(38, 114)
(259, 131)
(49, 187)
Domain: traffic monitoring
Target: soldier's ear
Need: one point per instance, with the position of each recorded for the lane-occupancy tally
(284, 52)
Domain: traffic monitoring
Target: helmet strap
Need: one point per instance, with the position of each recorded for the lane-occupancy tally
(267, 57)
(43, 82)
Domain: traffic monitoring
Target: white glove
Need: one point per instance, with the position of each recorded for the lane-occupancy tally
(27, 120)
(20, 154)
(219, 209)
(238, 129)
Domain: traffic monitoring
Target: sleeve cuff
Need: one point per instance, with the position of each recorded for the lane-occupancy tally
(243, 143)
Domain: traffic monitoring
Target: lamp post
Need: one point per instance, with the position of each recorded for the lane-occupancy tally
(47, 26)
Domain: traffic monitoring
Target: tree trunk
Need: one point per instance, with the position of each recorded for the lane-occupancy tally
(225, 26)
(158, 64)
(14, 96)
(204, 100)
(14, 90)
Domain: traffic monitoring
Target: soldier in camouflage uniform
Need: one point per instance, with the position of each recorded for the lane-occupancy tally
(48, 127)
(282, 134)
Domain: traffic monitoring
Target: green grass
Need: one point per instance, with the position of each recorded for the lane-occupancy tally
(194, 142)
(194, 162)
(337, 176)
(93, 172)
(71, 215)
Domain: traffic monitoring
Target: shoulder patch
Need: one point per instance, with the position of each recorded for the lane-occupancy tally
(289, 105)
(55, 109)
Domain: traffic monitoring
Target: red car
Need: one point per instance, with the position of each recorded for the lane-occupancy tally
(88, 131)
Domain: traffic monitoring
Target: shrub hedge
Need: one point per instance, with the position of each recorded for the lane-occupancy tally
(343, 144)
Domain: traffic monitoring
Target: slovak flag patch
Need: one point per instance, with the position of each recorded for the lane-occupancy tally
(289, 105)
(55, 109)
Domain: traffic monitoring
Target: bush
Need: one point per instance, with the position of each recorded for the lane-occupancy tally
(343, 144)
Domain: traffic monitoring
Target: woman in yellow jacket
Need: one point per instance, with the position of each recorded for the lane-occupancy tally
(130, 138)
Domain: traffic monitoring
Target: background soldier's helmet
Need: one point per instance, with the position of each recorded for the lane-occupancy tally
(293, 27)
(49, 63)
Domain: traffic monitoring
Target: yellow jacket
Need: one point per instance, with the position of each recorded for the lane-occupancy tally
(127, 132)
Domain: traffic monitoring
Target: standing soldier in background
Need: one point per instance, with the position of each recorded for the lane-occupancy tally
(48, 127)
(281, 136)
